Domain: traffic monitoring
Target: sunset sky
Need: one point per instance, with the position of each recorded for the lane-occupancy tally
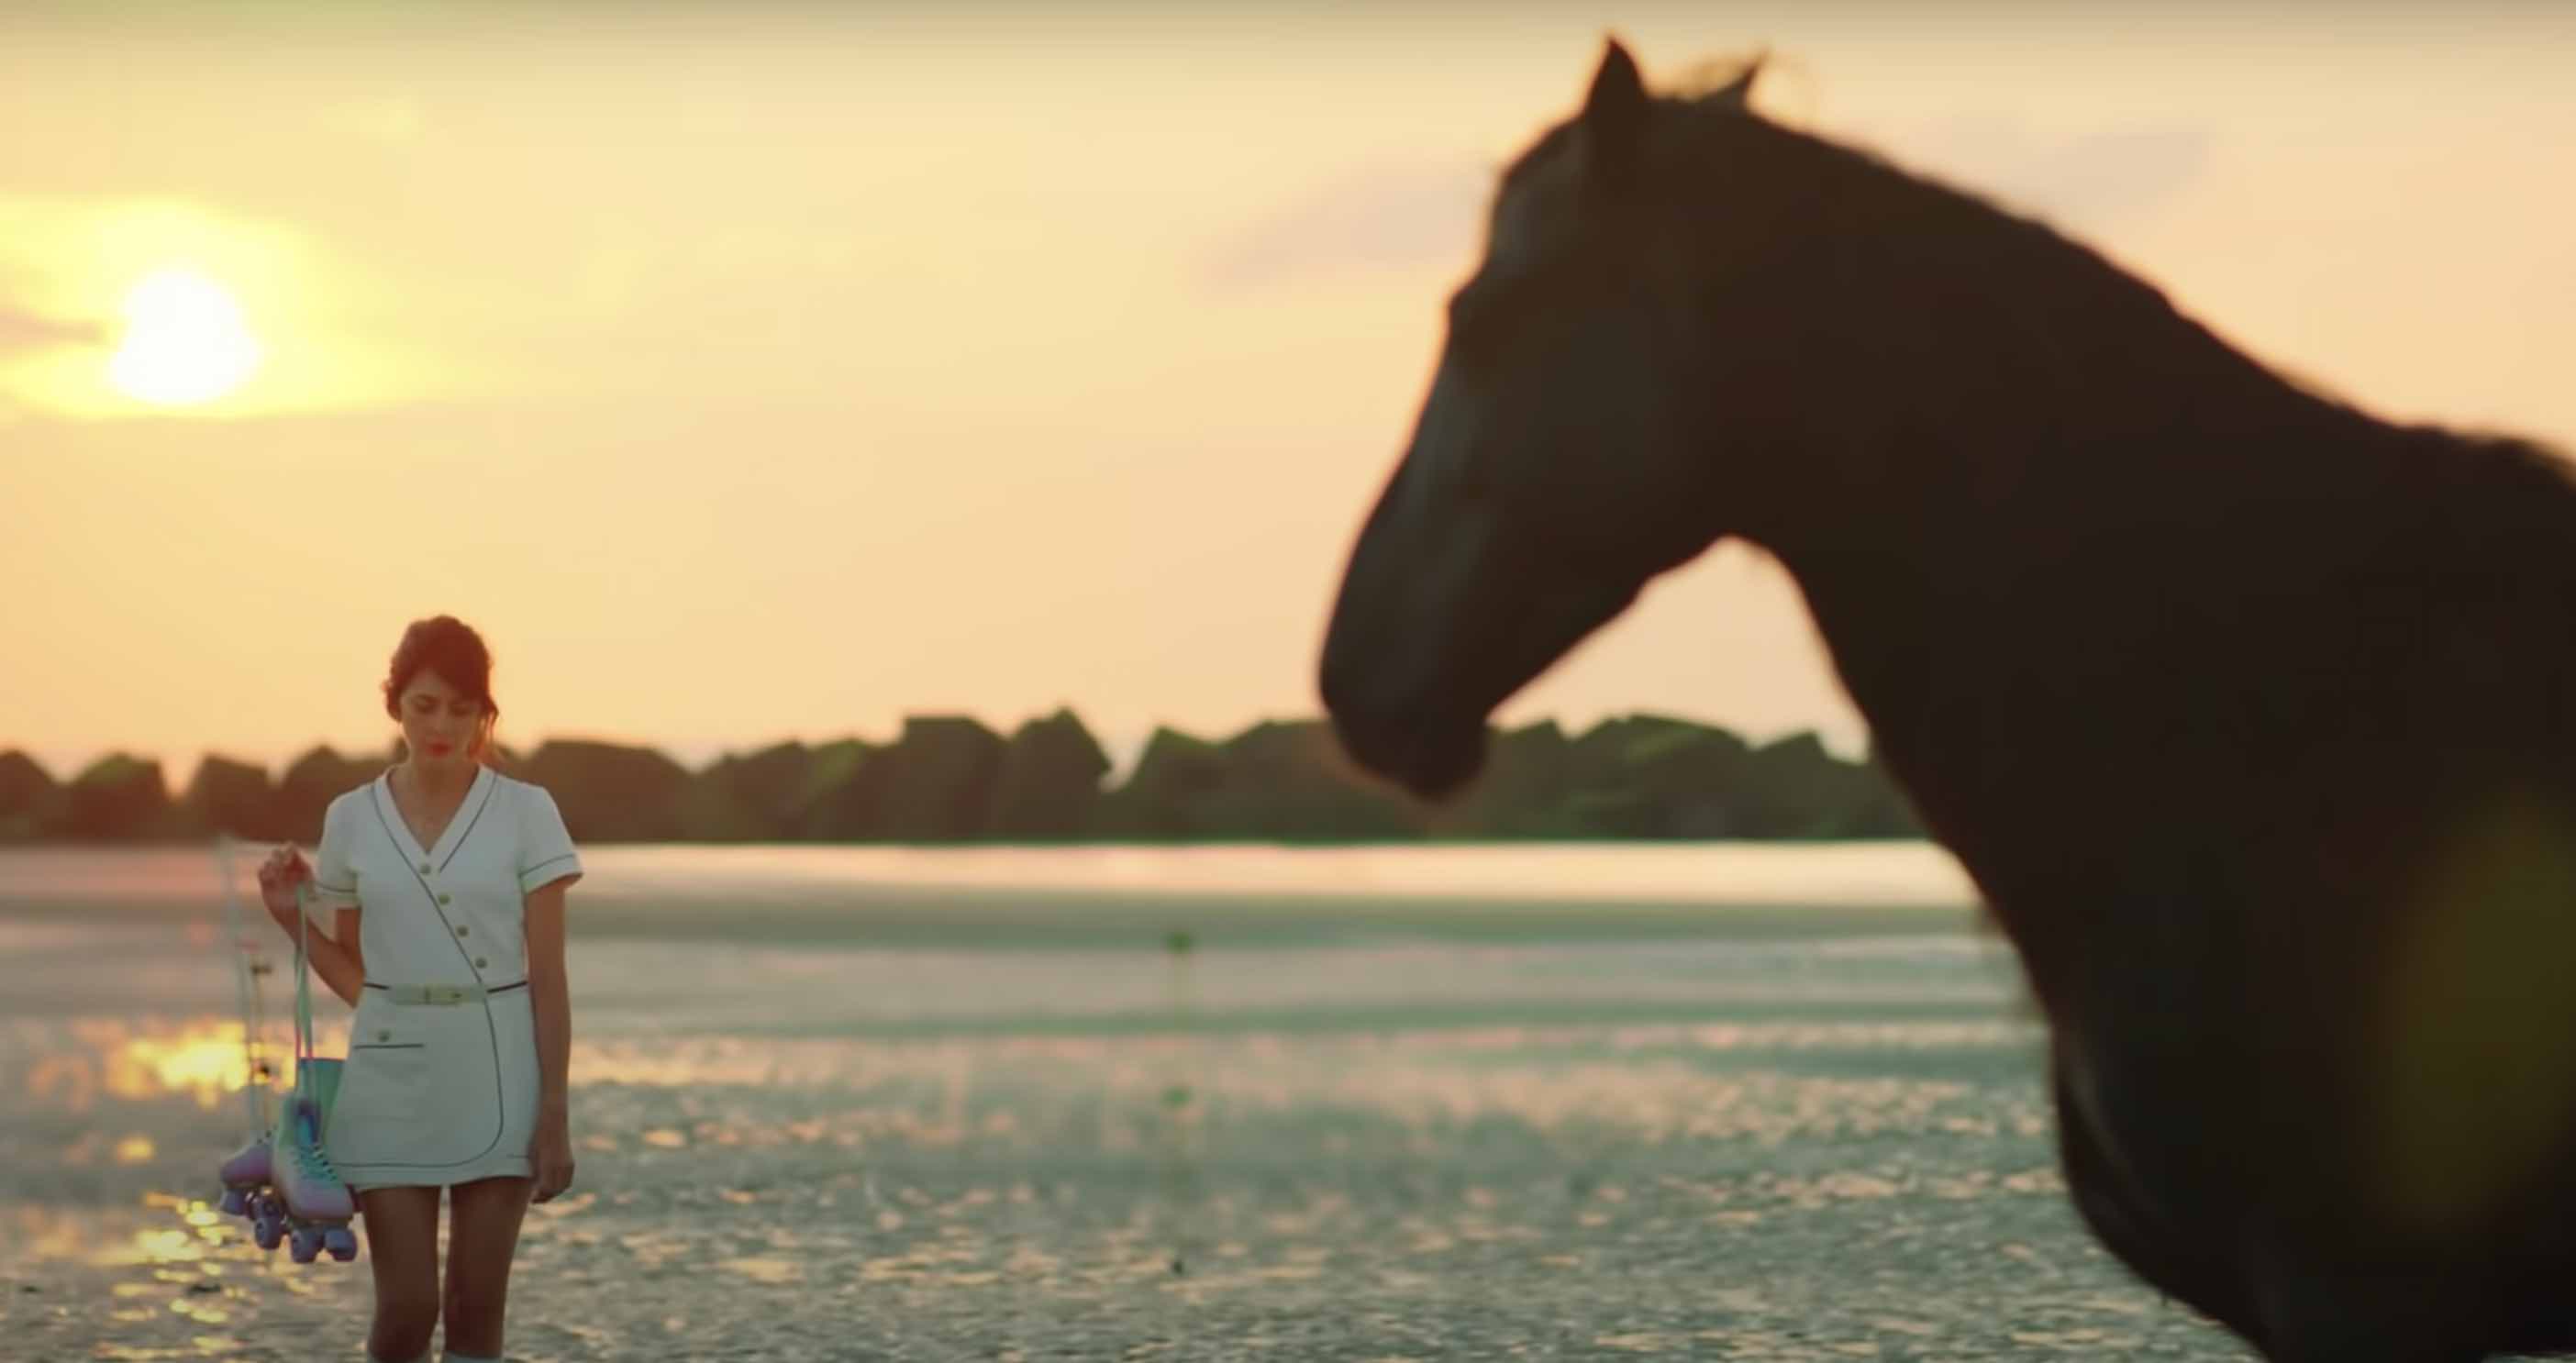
(756, 372)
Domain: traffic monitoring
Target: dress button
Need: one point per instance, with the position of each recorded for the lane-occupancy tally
(480, 963)
(460, 929)
(424, 868)
(442, 899)
(383, 1035)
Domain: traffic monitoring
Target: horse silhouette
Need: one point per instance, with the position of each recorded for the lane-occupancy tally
(2252, 716)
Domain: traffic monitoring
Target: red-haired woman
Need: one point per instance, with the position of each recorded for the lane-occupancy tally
(441, 887)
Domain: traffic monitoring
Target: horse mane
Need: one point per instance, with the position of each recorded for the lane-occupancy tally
(1709, 115)
(2085, 291)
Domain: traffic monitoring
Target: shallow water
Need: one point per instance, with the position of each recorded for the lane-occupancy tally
(1389, 1103)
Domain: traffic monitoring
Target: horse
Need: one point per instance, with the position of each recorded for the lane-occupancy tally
(2251, 715)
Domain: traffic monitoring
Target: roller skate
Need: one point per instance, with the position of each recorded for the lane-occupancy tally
(314, 1207)
(244, 1175)
(283, 1180)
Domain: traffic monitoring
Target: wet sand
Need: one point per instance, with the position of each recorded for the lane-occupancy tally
(1786, 1133)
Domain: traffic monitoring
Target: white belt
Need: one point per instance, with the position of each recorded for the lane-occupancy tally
(443, 995)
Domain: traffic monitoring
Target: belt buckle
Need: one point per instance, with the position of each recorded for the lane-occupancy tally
(445, 994)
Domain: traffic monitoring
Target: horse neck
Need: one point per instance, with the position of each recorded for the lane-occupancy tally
(2016, 439)
(1975, 392)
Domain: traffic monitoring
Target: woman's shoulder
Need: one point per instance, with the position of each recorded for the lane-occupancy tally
(532, 808)
(354, 798)
(521, 792)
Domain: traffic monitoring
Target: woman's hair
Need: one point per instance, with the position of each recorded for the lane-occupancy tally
(449, 647)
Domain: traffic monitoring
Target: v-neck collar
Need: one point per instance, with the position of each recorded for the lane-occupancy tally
(459, 824)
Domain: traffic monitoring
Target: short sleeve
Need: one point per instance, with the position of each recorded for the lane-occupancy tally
(335, 878)
(546, 852)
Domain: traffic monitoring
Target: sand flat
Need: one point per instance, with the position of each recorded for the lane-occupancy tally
(1778, 1132)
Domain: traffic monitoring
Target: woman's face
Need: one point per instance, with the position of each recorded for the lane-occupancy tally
(440, 724)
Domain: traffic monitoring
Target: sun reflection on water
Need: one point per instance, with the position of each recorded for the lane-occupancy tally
(202, 1061)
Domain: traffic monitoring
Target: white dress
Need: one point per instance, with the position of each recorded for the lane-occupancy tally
(440, 1086)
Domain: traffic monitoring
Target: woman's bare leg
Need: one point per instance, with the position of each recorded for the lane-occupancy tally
(402, 1253)
(482, 1238)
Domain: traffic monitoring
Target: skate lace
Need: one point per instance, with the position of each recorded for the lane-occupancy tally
(310, 1159)
(314, 1163)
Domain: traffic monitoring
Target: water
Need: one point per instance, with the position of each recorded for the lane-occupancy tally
(1696, 1101)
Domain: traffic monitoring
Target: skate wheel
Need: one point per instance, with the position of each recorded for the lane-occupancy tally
(266, 1233)
(342, 1244)
(234, 1204)
(307, 1244)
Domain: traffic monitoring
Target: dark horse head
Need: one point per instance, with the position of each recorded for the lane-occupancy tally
(1582, 341)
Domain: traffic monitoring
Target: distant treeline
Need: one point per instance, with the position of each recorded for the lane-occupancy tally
(949, 779)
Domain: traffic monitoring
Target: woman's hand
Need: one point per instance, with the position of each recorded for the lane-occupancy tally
(278, 876)
(551, 1154)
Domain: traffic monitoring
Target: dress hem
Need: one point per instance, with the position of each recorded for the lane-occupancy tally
(444, 1178)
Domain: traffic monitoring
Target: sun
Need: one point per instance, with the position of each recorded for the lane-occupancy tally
(185, 341)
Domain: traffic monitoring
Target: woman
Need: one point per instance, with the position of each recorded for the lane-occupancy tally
(441, 887)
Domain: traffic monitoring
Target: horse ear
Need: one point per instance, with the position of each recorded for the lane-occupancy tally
(1614, 113)
(1738, 93)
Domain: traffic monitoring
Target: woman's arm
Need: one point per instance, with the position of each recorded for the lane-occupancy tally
(550, 997)
(550, 994)
(284, 882)
(343, 968)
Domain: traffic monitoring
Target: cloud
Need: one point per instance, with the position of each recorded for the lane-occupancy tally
(24, 330)
(1390, 216)
(2092, 178)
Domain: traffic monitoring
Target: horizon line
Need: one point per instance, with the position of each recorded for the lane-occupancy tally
(1123, 748)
